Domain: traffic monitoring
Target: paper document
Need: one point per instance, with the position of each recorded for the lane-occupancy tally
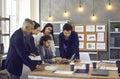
(109, 68)
(51, 68)
(35, 58)
(80, 67)
(63, 72)
(108, 61)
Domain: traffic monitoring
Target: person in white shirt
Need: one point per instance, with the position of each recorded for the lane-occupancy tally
(47, 30)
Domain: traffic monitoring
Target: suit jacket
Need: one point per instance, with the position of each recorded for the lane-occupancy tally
(69, 47)
(17, 54)
(30, 45)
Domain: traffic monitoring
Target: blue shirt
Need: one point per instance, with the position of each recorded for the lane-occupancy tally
(69, 47)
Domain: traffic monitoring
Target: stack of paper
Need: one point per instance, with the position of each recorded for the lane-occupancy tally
(63, 72)
(35, 58)
(108, 68)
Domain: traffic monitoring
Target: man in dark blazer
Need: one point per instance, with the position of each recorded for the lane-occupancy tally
(29, 40)
(17, 53)
(68, 42)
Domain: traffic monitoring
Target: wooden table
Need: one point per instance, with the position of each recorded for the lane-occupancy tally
(47, 74)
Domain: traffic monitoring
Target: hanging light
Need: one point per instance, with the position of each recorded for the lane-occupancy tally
(50, 17)
(93, 17)
(66, 14)
(109, 5)
(80, 8)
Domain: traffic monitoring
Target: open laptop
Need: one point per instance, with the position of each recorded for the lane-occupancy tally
(98, 72)
(71, 59)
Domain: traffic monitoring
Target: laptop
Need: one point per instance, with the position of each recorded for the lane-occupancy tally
(98, 72)
(71, 59)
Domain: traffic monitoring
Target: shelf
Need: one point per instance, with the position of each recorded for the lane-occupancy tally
(57, 33)
(114, 32)
(3, 19)
(114, 47)
(5, 34)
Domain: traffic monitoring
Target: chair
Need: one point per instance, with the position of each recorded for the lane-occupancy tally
(118, 65)
(4, 74)
(84, 56)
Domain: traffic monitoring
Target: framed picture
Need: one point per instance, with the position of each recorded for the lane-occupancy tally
(81, 36)
(100, 46)
(79, 28)
(90, 28)
(100, 28)
(90, 46)
(91, 37)
(100, 37)
(81, 45)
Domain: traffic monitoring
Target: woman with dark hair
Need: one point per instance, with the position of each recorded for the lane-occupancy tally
(47, 30)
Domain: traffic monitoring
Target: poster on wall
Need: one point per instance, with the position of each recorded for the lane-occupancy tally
(90, 46)
(90, 28)
(79, 28)
(100, 46)
(100, 37)
(91, 37)
(81, 36)
(100, 28)
(81, 45)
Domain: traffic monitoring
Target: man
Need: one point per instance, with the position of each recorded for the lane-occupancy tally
(29, 39)
(43, 48)
(18, 54)
(68, 43)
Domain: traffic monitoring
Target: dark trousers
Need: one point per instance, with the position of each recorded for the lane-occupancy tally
(14, 76)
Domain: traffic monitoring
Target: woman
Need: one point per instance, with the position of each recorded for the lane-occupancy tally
(47, 30)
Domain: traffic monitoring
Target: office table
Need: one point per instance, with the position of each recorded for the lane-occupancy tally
(46, 74)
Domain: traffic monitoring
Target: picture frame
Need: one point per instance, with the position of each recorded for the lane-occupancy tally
(100, 28)
(81, 37)
(91, 37)
(79, 28)
(90, 46)
(90, 28)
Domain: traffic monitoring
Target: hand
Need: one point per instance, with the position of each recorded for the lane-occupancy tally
(58, 59)
(32, 54)
(77, 60)
(40, 67)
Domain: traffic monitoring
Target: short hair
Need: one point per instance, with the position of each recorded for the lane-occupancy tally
(28, 22)
(67, 27)
(36, 25)
(44, 38)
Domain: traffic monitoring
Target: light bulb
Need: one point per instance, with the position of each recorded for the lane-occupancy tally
(50, 18)
(66, 14)
(109, 6)
(93, 17)
(80, 9)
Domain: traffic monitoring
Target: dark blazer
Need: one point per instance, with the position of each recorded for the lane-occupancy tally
(17, 54)
(69, 47)
(30, 45)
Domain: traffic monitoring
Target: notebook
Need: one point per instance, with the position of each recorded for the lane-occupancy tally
(98, 72)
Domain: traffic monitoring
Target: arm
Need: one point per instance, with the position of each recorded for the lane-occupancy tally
(21, 51)
(75, 45)
(32, 46)
(61, 49)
